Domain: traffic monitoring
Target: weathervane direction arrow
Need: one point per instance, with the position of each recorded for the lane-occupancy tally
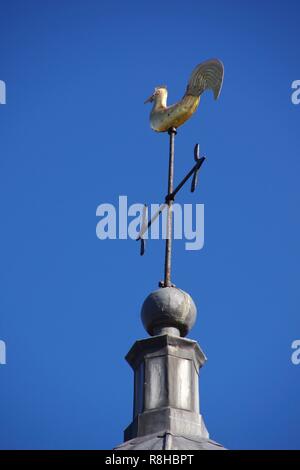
(194, 171)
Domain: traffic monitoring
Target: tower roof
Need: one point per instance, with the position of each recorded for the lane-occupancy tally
(169, 441)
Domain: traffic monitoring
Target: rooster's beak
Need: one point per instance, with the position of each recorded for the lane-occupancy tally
(149, 100)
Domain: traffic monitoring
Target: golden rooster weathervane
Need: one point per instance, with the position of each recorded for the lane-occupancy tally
(206, 76)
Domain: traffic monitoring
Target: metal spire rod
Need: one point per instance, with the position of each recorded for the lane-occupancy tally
(168, 253)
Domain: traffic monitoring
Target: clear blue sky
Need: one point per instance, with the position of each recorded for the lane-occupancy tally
(74, 134)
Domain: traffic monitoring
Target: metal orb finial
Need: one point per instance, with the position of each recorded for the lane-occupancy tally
(168, 310)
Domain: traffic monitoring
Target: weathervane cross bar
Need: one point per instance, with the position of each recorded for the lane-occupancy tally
(169, 199)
